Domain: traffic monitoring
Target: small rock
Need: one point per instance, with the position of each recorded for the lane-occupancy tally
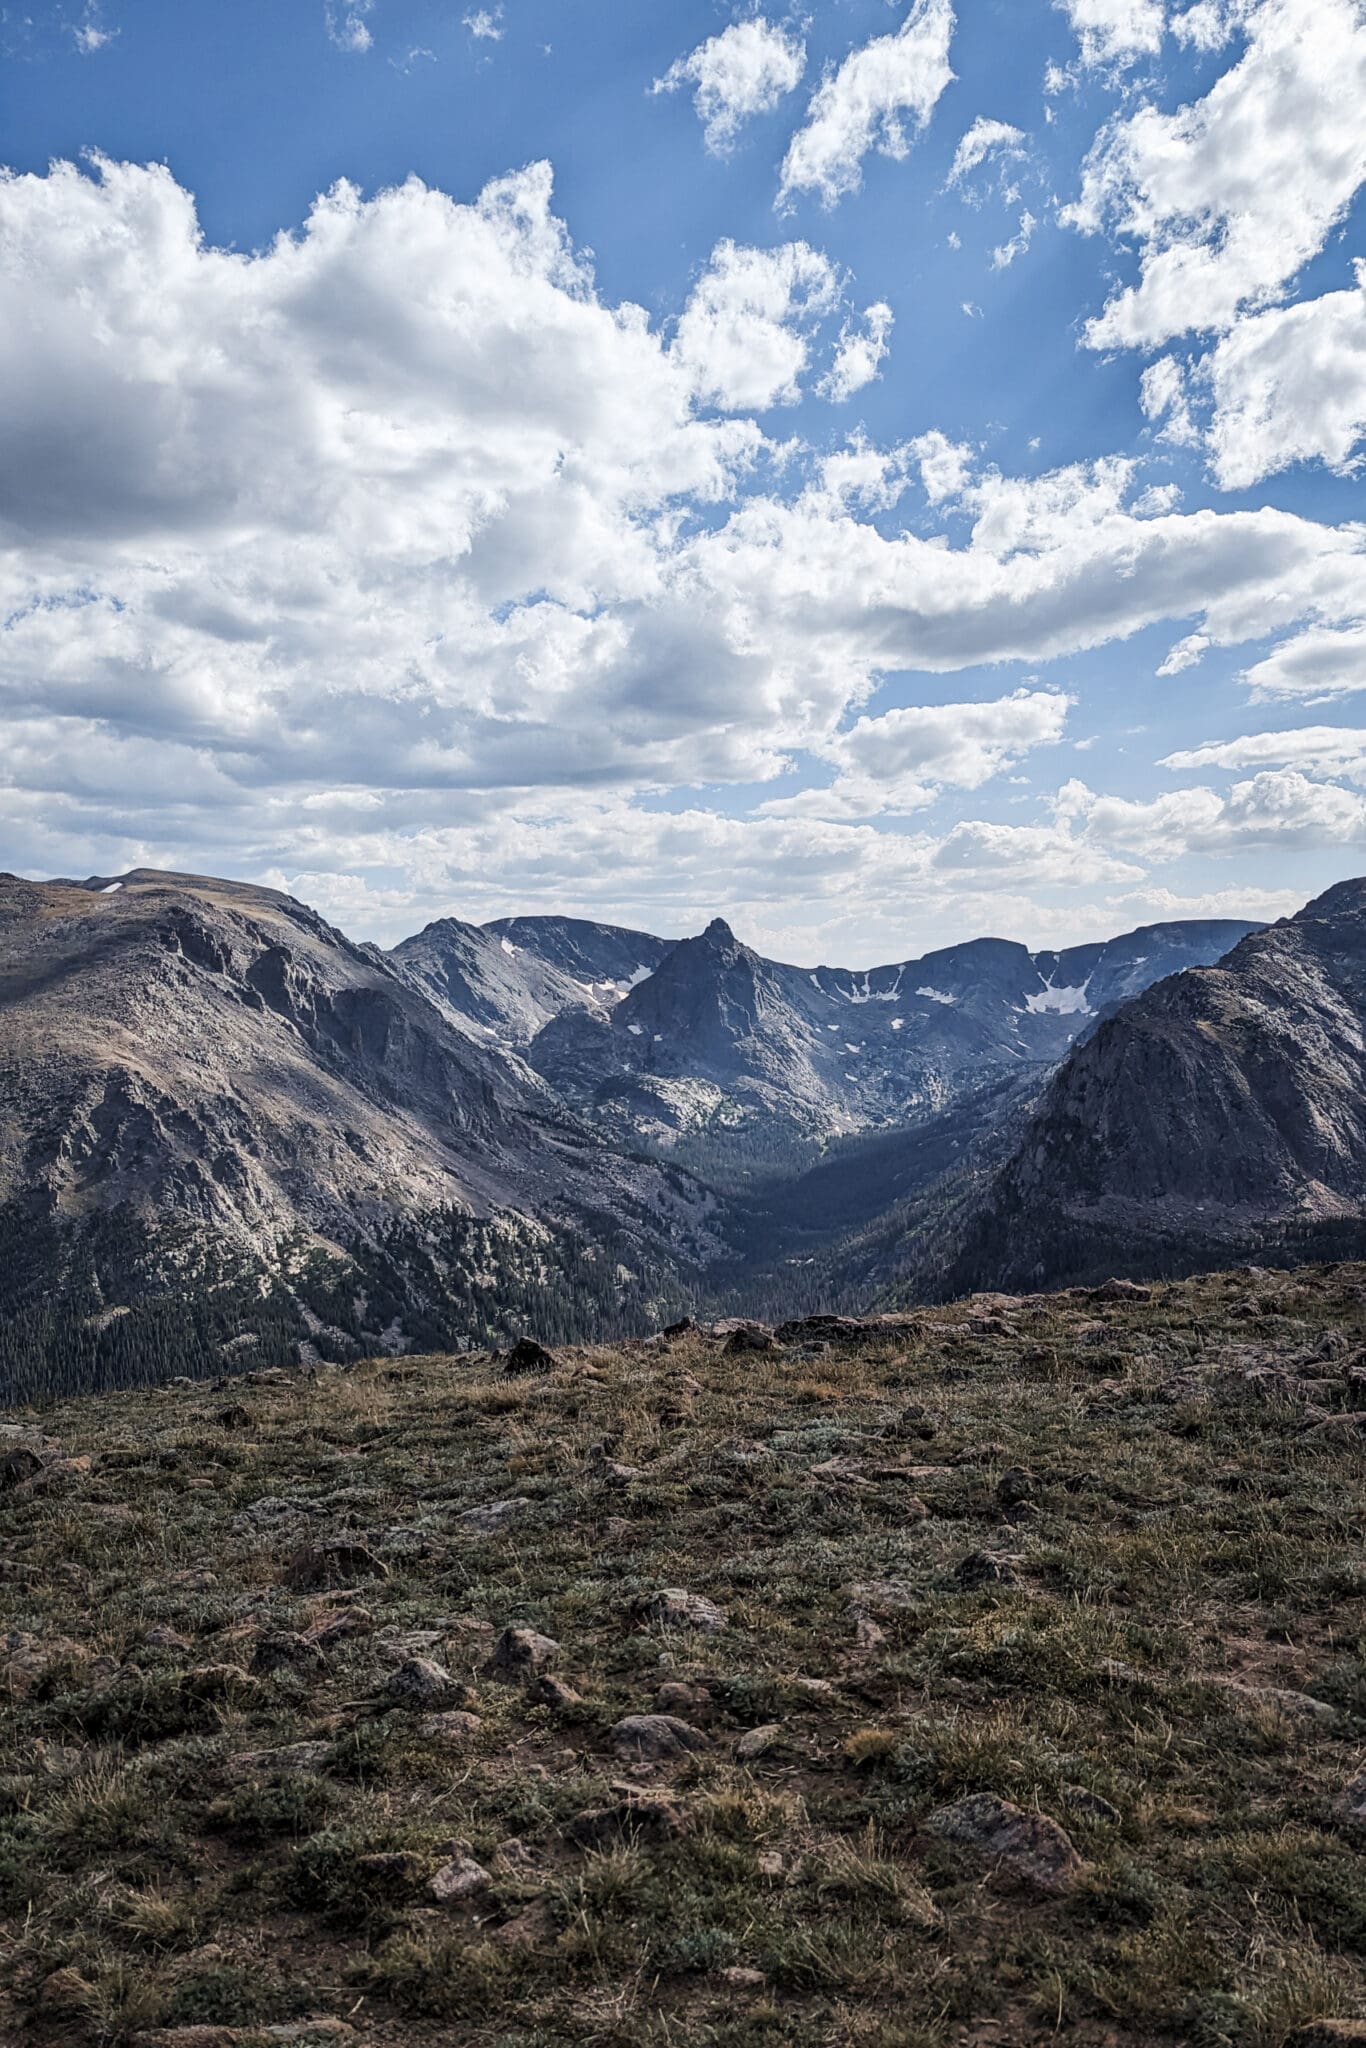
(514, 1854)
(419, 1682)
(897, 1594)
(1081, 1799)
(334, 1562)
(986, 1568)
(868, 1636)
(17, 1466)
(527, 1356)
(755, 1741)
(676, 1608)
(297, 1759)
(285, 1651)
(454, 1727)
(459, 1880)
(1350, 1807)
(217, 1681)
(546, 1690)
(740, 1978)
(655, 1736)
(234, 1416)
(632, 1812)
(1295, 1706)
(1121, 1290)
(186, 2037)
(519, 1652)
(678, 1696)
(748, 1337)
(1016, 1485)
(163, 1638)
(339, 1623)
(770, 1863)
(492, 1516)
(684, 1327)
(1030, 1845)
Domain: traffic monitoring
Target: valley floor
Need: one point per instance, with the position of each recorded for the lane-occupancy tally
(987, 1676)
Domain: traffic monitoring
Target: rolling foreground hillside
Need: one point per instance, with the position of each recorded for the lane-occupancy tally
(1220, 1114)
(989, 1675)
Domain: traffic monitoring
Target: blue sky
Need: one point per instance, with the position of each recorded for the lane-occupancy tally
(962, 532)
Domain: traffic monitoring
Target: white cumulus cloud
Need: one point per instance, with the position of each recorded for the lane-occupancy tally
(742, 339)
(1115, 32)
(1289, 385)
(1229, 196)
(744, 71)
(867, 102)
(859, 354)
(985, 138)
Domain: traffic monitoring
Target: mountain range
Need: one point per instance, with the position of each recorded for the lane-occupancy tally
(226, 1128)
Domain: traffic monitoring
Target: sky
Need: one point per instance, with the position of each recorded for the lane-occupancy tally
(884, 474)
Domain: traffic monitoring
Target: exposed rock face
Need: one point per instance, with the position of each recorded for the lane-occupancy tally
(717, 1036)
(1221, 1113)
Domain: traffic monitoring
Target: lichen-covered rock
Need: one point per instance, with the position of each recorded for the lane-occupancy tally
(1030, 1846)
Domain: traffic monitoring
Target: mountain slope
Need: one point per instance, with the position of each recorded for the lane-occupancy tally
(1222, 1112)
(504, 989)
(188, 1059)
(720, 1040)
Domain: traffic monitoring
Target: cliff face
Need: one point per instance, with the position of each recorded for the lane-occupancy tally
(1222, 1111)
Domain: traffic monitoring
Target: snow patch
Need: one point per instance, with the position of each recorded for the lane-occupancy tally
(937, 995)
(508, 946)
(1059, 1002)
(111, 889)
(640, 974)
(897, 1023)
(636, 1030)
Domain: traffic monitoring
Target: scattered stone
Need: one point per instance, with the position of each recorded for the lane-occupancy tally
(1277, 1699)
(492, 1516)
(674, 1607)
(285, 1651)
(1030, 1845)
(893, 1593)
(868, 1636)
(770, 1862)
(217, 1681)
(334, 1562)
(1350, 1807)
(656, 1736)
(679, 1696)
(17, 1466)
(748, 1337)
(755, 1741)
(631, 1812)
(186, 2037)
(339, 1623)
(741, 1978)
(514, 1854)
(296, 1760)
(461, 1879)
(987, 1568)
(1016, 1485)
(1081, 1799)
(163, 1638)
(684, 1327)
(548, 1691)
(454, 1727)
(1121, 1290)
(821, 1329)
(527, 1356)
(519, 1652)
(419, 1682)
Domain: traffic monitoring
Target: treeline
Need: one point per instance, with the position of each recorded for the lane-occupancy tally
(112, 1302)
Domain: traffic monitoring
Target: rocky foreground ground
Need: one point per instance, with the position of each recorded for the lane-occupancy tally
(985, 1676)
